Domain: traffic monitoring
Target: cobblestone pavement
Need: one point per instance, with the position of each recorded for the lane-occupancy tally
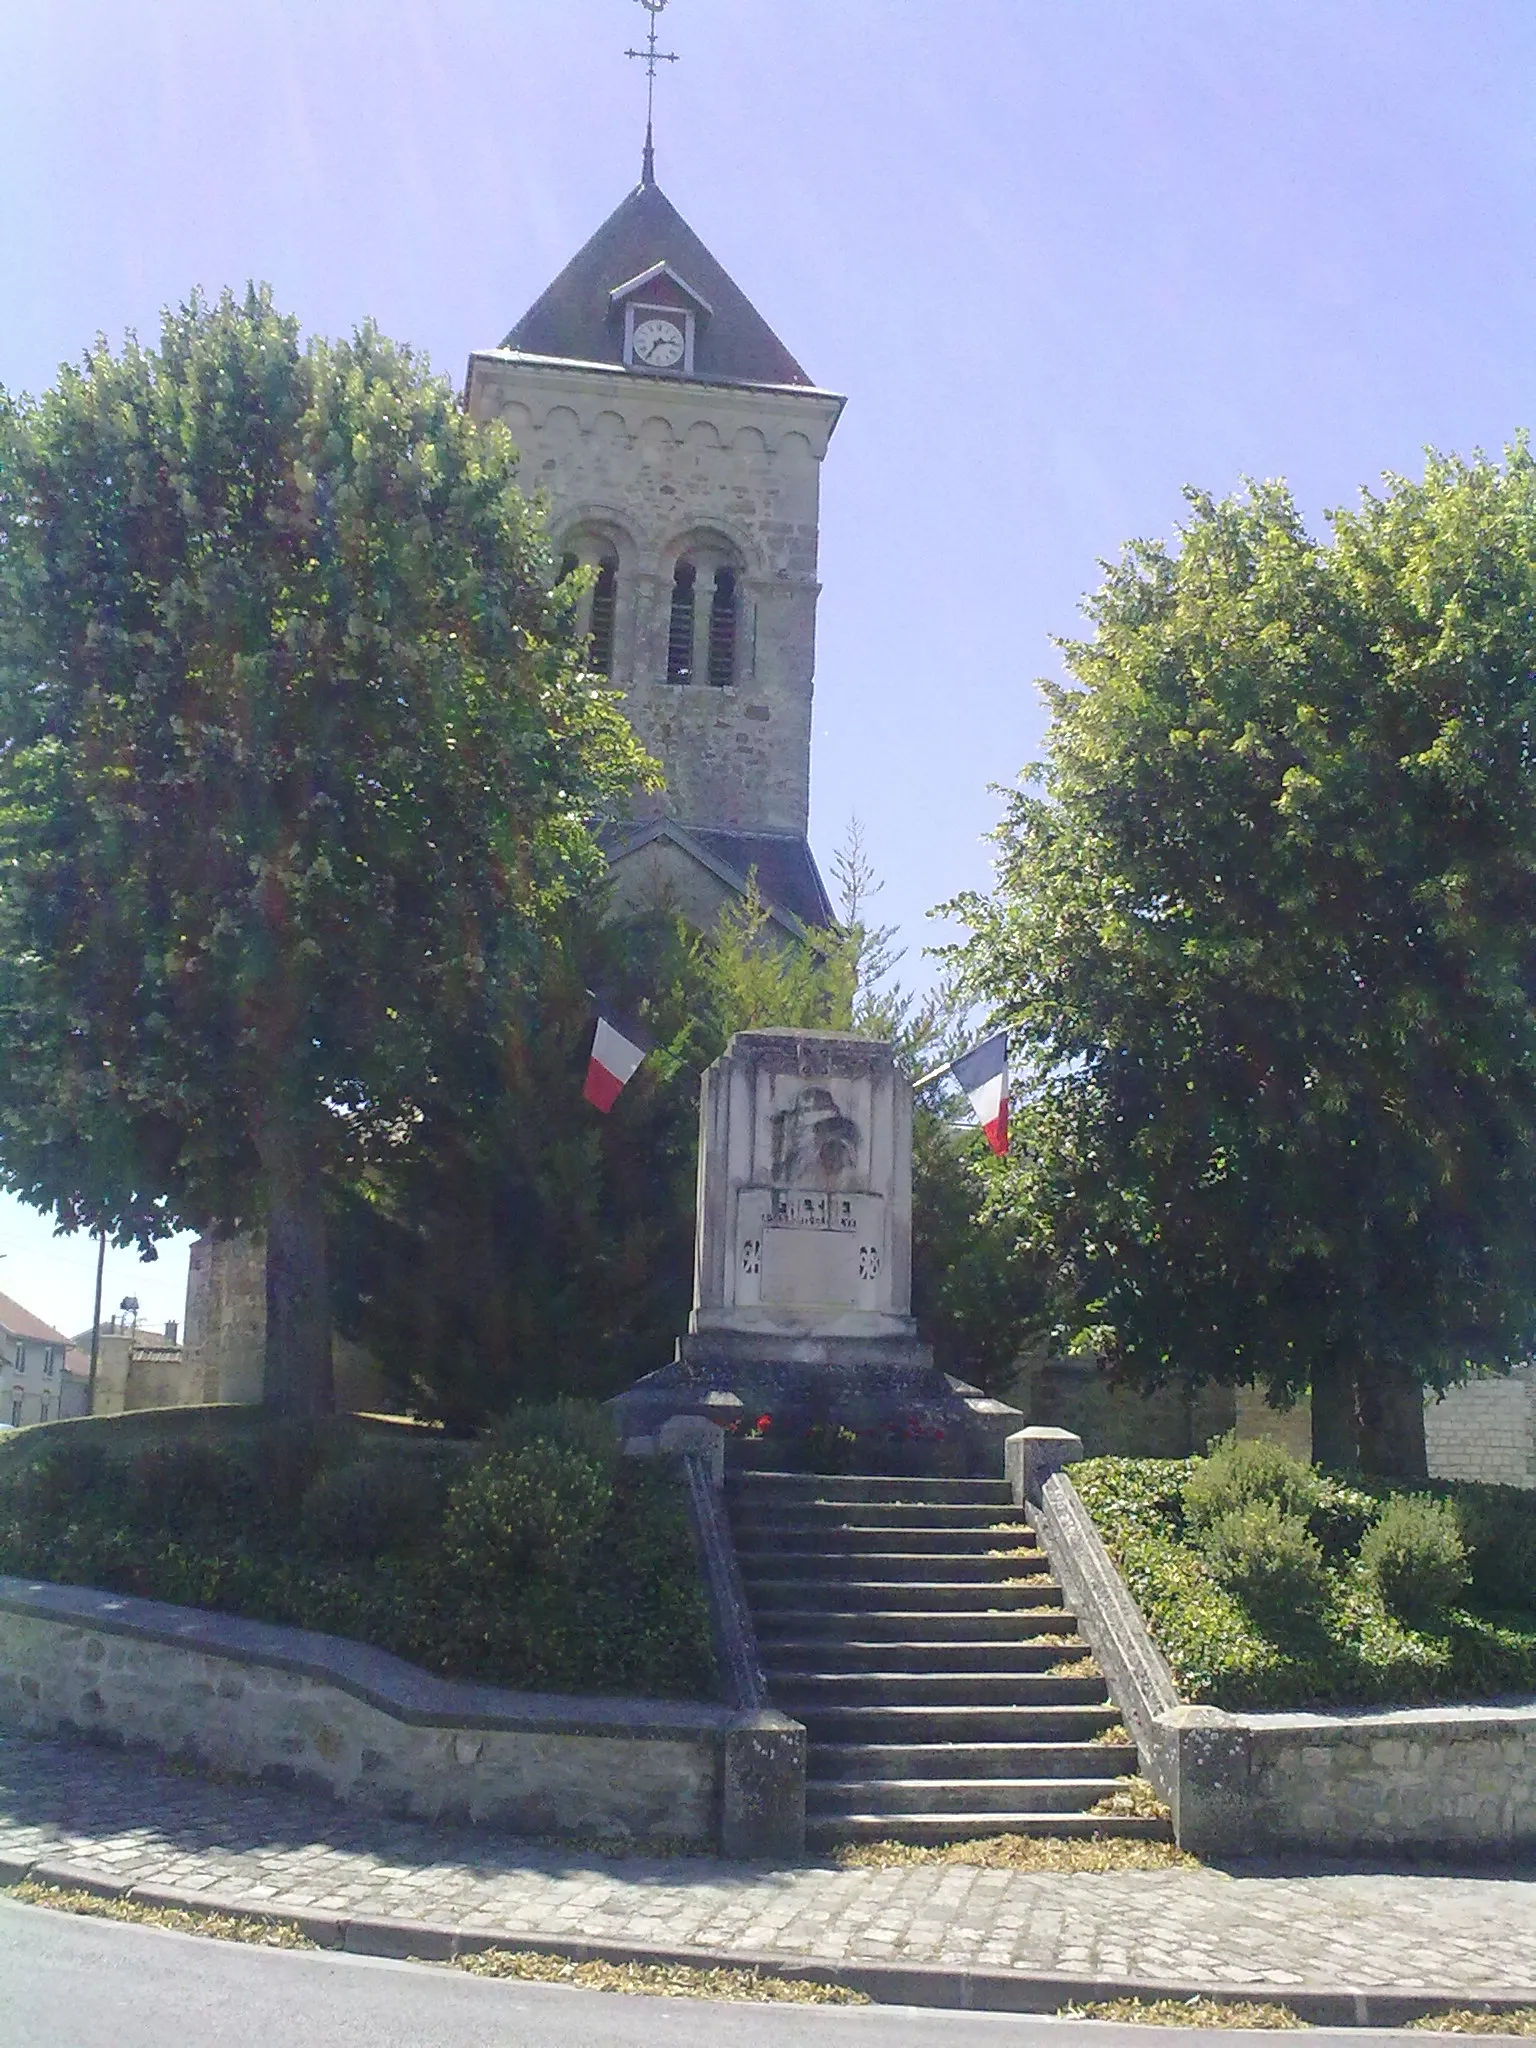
(141, 1824)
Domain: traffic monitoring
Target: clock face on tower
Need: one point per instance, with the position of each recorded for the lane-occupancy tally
(658, 344)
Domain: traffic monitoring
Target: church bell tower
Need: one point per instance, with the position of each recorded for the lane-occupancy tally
(679, 446)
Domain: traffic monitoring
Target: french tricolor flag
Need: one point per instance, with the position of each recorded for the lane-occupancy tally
(618, 1047)
(983, 1074)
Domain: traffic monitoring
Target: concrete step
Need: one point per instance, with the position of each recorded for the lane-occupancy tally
(834, 1540)
(812, 1692)
(981, 1596)
(1041, 1721)
(826, 1797)
(976, 1762)
(905, 1624)
(963, 1827)
(912, 1625)
(751, 1516)
(837, 1488)
(811, 1654)
(901, 1566)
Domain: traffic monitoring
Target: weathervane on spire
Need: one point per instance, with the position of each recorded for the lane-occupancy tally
(652, 57)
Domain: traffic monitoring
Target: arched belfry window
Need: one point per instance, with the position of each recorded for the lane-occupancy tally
(704, 624)
(605, 604)
(722, 628)
(680, 624)
(599, 614)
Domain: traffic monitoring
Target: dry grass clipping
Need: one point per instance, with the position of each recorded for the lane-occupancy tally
(1090, 1855)
(175, 1919)
(656, 1980)
(1075, 1667)
(1183, 2012)
(1132, 1798)
(1465, 2021)
(1116, 1732)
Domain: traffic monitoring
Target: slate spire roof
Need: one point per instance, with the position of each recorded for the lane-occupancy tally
(575, 317)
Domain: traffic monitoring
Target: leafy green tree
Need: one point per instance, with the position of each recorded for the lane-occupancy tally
(981, 1290)
(521, 1245)
(297, 765)
(1265, 929)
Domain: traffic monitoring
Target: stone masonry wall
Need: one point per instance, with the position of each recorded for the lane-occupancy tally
(650, 467)
(226, 1321)
(226, 1334)
(1257, 1417)
(1485, 1429)
(374, 1733)
(1440, 1779)
(1118, 1421)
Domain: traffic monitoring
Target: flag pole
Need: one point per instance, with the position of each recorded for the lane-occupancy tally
(101, 1260)
(936, 1074)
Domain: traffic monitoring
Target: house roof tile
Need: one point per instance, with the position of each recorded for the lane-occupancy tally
(17, 1321)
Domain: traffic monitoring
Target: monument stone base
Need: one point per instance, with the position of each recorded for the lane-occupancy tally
(876, 1408)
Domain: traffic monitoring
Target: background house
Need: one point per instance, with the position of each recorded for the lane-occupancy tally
(32, 1367)
(135, 1367)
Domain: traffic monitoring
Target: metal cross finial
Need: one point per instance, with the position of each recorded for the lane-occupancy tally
(652, 57)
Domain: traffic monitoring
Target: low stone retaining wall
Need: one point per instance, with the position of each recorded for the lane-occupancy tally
(1443, 1781)
(369, 1730)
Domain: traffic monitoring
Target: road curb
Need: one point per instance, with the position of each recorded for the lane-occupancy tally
(910, 1984)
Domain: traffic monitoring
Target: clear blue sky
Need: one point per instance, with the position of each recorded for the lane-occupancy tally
(1064, 256)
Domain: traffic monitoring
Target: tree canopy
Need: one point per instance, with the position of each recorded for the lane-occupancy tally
(297, 764)
(1264, 927)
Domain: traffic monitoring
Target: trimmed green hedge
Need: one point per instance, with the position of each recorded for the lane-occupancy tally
(537, 1558)
(1349, 1652)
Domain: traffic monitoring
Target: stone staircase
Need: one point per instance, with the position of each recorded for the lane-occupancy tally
(913, 1626)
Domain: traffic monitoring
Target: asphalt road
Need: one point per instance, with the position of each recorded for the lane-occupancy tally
(69, 1982)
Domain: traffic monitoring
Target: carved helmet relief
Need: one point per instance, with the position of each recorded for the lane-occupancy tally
(813, 1141)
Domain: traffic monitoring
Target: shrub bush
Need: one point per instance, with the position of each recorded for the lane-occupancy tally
(370, 1508)
(56, 1487)
(584, 1427)
(186, 1488)
(1415, 1557)
(1341, 1517)
(531, 1565)
(1356, 1653)
(533, 1510)
(1241, 1475)
(1498, 1526)
(282, 1461)
(1271, 1561)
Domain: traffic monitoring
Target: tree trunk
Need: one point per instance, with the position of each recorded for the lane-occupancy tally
(1391, 1421)
(298, 1378)
(1333, 1415)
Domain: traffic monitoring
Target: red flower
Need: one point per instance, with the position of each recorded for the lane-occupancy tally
(763, 1421)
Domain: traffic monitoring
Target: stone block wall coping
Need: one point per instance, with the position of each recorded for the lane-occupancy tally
(1030, 1456)
(406, 1693)
(730, 1614)
(1516, 1713)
